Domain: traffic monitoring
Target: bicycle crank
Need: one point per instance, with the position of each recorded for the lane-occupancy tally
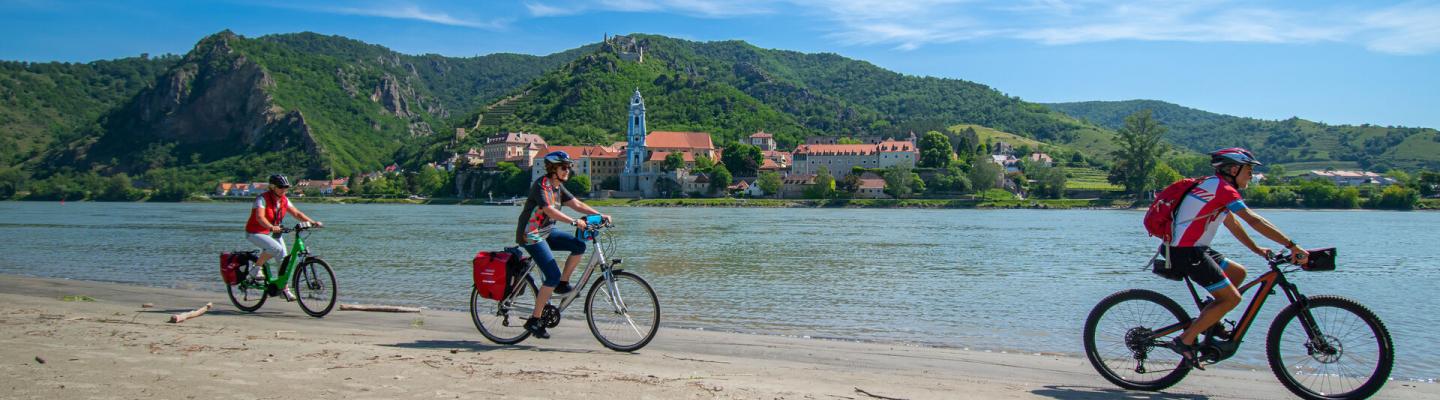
(551, 316)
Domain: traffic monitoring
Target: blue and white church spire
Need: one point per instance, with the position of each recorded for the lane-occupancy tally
(635, 153)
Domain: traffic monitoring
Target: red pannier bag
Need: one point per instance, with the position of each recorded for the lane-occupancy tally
(230, 266)
(490, 269)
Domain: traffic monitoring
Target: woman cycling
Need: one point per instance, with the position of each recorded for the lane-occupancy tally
(264, 230)
(537, 234)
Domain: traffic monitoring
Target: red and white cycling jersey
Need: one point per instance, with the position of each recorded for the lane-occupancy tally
(1202, 211)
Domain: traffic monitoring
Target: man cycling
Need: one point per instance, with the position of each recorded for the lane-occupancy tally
(264, 230)
(537, 234)
(1200, 213)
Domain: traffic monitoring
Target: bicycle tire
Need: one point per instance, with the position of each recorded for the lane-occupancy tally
(642, 289)
(1326, 322)
(245, 293)
(1134, 297)
(309, 281)
(507, 324)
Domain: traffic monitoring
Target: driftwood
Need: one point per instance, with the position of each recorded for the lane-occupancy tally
(862, 391)
(363, 307)
(181, 317)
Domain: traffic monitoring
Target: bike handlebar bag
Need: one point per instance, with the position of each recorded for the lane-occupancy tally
(1320, 260)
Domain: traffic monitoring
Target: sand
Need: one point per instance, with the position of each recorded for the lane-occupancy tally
(58, 347)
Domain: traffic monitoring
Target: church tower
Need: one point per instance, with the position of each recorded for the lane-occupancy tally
(635, 153)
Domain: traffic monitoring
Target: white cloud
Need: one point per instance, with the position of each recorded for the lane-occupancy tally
(545, 10)
(412, 12)
(1404, 29)
(393, 10)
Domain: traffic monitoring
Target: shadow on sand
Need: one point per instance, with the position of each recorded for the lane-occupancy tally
(1097, 393)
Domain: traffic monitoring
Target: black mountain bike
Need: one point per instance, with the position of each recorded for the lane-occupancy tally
(1319, 347)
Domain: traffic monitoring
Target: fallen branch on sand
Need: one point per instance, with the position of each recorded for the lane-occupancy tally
(862, 391)
(181, 317)
(694, 359)
(363, 307)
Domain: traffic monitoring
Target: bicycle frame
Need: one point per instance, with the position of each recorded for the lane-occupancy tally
(292, 260)
(1266, 284)
(596, 261)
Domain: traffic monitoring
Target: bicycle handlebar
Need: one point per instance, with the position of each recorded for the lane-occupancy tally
(299, 228)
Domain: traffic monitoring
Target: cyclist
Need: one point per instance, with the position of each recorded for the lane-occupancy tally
(1214, 201)
(537, 234)
(264, 230)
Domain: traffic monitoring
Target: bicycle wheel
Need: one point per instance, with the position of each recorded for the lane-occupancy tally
(503, 322)
(1113, 343)
(624, 319)
(243, 295)
(1349, 358)
(314, 286)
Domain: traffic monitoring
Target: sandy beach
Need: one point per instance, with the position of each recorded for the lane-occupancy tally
(56, 345)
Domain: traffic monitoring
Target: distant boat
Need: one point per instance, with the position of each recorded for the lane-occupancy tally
(514, 201)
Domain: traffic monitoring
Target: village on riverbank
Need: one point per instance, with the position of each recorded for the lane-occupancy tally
(957, 169)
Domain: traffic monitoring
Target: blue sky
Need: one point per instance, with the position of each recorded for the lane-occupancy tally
(1331, 61)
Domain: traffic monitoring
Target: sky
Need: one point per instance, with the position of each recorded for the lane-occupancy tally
(1339, 62)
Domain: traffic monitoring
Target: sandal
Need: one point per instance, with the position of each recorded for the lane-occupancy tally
(1190, 352)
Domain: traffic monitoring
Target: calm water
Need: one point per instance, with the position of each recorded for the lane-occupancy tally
(1014, 280)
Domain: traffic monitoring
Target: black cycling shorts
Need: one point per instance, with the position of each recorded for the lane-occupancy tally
(1202, 264)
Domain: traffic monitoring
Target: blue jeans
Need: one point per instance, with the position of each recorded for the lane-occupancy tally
(540, 252)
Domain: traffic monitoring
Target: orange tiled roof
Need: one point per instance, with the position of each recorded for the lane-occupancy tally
(660, 156)
(679, 140)
(762, 135)
(591, 152)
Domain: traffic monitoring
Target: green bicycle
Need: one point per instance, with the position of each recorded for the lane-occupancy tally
(313, 280)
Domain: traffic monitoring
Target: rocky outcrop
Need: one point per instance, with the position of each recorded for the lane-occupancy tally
(214, 103)
(393, 97)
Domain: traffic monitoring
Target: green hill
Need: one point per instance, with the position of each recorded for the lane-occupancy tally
(45, 103)
(303, 103)
(1293, 142)
(732, 89)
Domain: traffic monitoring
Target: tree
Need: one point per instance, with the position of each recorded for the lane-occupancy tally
(428, 182)
(1139, 150)
(720, 179)
(703, 163)
(935, 151)
(984, 175)
(10, 182)
(356, 185)
(666, 186)
(850, 185)
(1163, 176)
(513, 180)
(1049, 182)
(742, 159)
(953, 179)
(902, 182)
(1276, 173)
(1428, 182)
(824, 186)
(119, 188)
(673, 161)
(770, 183)
(612, 183)
(578, 185)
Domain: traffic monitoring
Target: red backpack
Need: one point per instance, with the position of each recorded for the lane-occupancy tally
(1160, 218)
(491, 273)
